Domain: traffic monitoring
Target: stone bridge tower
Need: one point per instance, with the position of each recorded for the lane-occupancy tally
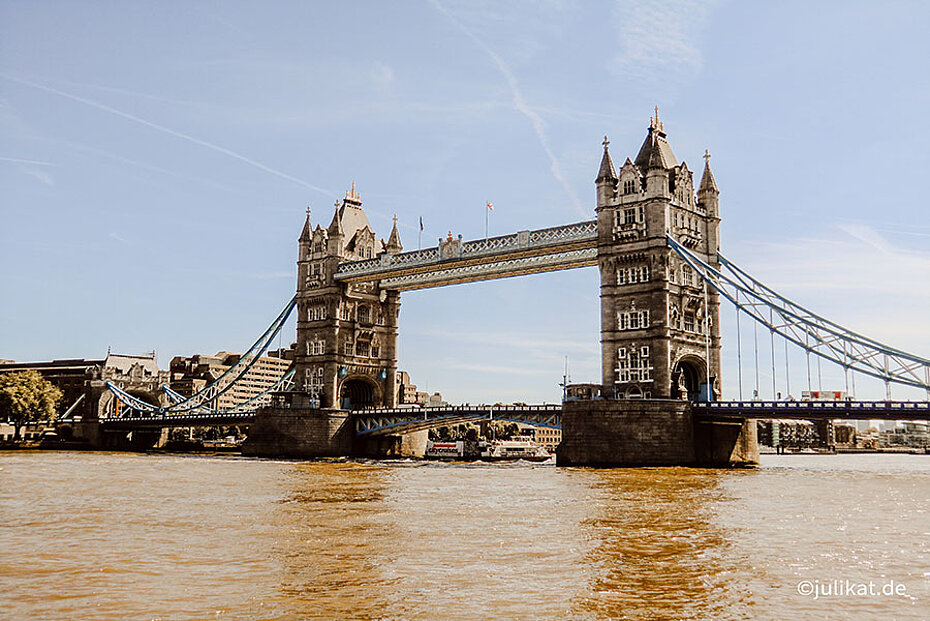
(346, 355)
(660, 334)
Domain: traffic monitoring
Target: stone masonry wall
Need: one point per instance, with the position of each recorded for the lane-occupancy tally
(626, 433)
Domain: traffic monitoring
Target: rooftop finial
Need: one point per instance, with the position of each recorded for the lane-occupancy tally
(395, 219)
(707, 156)
(352, 195)
(308, 210)
(606, 142)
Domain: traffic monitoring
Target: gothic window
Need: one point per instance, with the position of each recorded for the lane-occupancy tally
(687, 275)
(362, 349)
(629, 216)
(631, 275)
(316, 313)
(629, 186)
(689, 322)
(634, 366)
(633, 320)
(317, 246)
(375, 351)
(347, 348)
(364, 313)
(380, 318)
(346, 312)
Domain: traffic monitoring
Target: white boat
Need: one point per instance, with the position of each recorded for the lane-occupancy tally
(445, 450)
(519, 447)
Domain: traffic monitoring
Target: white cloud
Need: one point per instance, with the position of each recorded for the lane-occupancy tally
(382, 75)
(660, 41)
(861, 280)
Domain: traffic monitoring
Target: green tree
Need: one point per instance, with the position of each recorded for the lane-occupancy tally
(27, 397)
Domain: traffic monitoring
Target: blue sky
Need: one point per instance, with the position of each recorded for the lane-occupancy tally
(156, 160)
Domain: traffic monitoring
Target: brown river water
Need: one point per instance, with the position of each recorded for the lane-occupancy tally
(133, 536)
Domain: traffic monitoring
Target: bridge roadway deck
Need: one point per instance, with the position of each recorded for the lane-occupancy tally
(815, 410)
(407, 420)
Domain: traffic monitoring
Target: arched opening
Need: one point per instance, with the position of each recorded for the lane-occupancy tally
(357, 394)
(687, 378)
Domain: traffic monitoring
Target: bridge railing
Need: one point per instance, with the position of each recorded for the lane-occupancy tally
(539, 238)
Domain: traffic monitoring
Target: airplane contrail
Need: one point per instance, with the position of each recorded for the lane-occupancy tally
(168, 130)
(521, 106)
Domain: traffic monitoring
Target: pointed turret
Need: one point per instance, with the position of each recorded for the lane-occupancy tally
(393, 245)
(335, 227)
(307, 233)
(656, 151)
(606, 172)
(708, 184)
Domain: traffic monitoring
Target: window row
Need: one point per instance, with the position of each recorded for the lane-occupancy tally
(633, 366)
(683, 221)
(362, 349)
(688, 322)
(314, 377)
(316, 313)
(631, 215)
(315, 348)
(633, 320)
(632, 275)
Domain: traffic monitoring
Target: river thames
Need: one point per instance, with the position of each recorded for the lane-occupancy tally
(136, 536)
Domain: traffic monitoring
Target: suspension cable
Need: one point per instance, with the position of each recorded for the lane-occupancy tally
(739, 349)
(772, 334)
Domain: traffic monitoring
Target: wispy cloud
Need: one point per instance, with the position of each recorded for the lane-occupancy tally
(660, 41)
(860, 279)
(520, 104)
(17, 160)
(169, 131)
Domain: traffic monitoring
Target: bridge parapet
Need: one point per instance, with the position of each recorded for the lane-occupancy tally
(547, 240)
(878, 410)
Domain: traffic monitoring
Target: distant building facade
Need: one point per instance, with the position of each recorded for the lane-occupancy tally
(83, 382)
(192, 374)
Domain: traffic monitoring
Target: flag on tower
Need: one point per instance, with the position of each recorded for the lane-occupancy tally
(490, 206)
(421, 223)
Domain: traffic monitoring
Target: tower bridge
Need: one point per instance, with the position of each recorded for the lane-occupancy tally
(656, 243)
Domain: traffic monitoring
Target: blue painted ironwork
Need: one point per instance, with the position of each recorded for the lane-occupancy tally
(408, 420)
(809, 331)
(224, 383)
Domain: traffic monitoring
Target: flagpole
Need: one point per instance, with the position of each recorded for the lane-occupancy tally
(420, 234)
(487, 213)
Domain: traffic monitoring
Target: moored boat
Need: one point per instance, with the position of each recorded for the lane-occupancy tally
(519, 447)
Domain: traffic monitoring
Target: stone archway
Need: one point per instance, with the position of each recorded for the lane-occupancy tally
(358, 393)
(688, 375)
